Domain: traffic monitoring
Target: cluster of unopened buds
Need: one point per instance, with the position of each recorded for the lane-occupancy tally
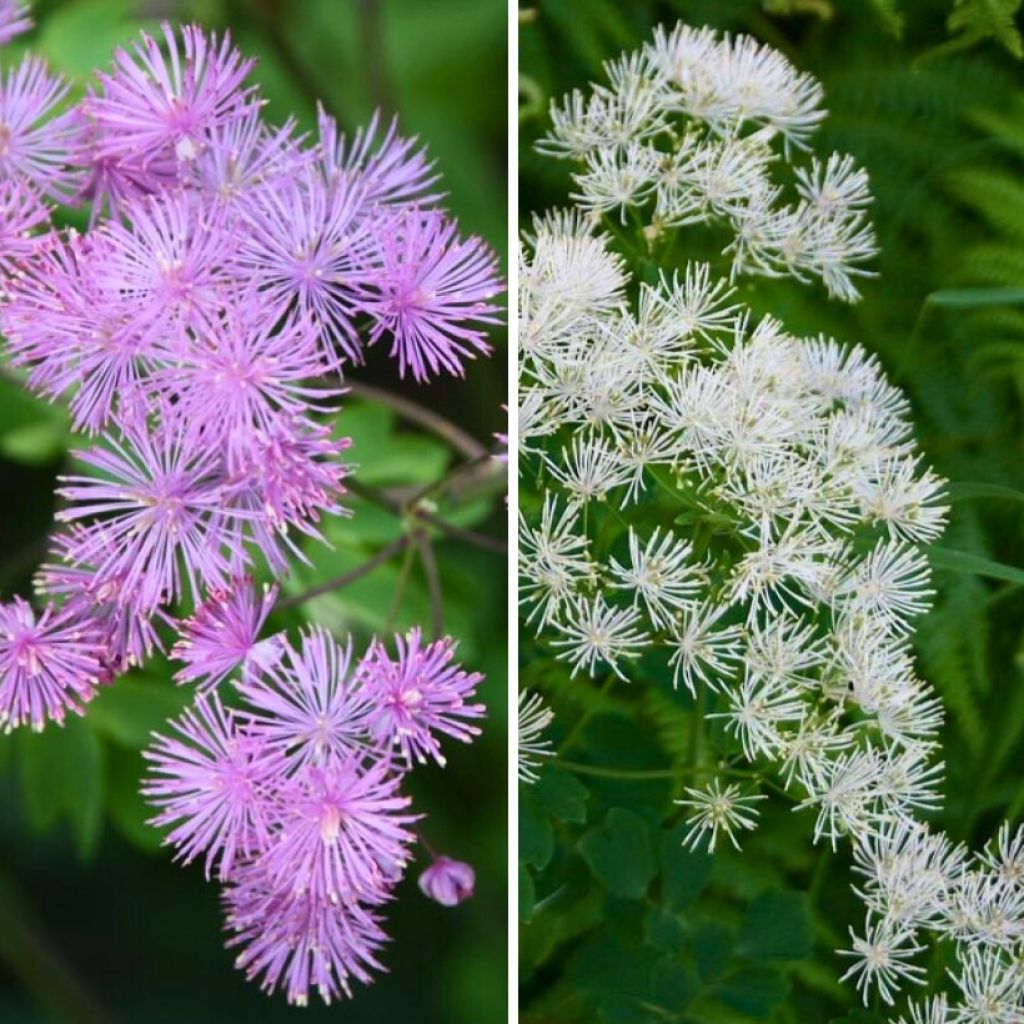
(782, 586)
(199, 331)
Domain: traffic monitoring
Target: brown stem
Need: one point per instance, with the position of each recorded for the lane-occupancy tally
(421, 415)
(345, 579)
(433, 584)
(478, 540)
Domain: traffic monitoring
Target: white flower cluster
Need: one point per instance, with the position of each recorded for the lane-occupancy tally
(747, 504)
(788, 574)
(693, 128)
(917, 883)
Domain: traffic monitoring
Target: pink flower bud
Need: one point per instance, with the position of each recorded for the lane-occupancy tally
(448, 882)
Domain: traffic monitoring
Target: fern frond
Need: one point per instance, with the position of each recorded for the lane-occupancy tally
(971, 21)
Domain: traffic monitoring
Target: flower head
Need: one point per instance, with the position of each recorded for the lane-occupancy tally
(419, 697)
(49, 664)
(155, 104)
(432, 294)
(223, 634)
(716, 810)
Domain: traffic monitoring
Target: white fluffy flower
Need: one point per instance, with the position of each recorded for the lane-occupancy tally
(715, 810)
(882, 960)
(534, 717)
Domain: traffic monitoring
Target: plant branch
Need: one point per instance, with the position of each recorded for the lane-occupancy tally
(345, 579)
(433, 584)
(412, 411)
(479, 540)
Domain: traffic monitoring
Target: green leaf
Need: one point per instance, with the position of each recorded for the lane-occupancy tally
(755, 990)
(80, 35)
(663, 929)
(977, 565)
(619, 853)
(130, 711)
(127, 811)
(684, 872)
(673, 983)
(536, 840)
(974, 20)
(61, 771)
(562, 795)
(527, 894)
(31, 430)
(975, 298)
(712, 947)
(776, 927)
(382, 455)
(967, 491)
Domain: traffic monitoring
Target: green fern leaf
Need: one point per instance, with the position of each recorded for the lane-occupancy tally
(971, 21)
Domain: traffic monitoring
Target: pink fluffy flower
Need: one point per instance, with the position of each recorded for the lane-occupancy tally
(344, 835)
(22, 215)
(165, 264)
(432, 294)
(308, 705)
(156, 104)
(14, 20)
(243, 155)
(37, 145)
(420, 697)
(245, 371)
(72, 337)
(157, 523)
(213, 787)
(223, 634)
(387, 168)
(49, 664)
(308, 244)
(298, 943)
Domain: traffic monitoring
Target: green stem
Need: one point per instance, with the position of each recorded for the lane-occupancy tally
(652, 774)
(584, 718)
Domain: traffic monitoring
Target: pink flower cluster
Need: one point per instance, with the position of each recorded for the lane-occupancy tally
(294, 800)
(198, 331)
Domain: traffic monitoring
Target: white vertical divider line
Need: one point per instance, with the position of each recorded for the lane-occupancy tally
(513, 505)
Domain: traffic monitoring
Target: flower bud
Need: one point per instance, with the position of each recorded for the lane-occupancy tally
(448, 882)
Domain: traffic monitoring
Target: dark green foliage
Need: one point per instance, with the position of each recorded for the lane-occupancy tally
(936, 113)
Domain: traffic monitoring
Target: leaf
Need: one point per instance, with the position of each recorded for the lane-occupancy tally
(974, 20)
(977, 565)
(712, 946)
(619, 853)
(975, 298)
(891, 16)
(562, 795)
(133, 708)
(754, 990)
(967, 491)
(31, 430)
(80, 36)
(527, 894)
(127, 810)
(663, 929)
(61, 771)
(776, 927)
(536, 839)
(684, 872)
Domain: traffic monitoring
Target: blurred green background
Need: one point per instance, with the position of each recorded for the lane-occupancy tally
(96, 924)
(620, 925)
